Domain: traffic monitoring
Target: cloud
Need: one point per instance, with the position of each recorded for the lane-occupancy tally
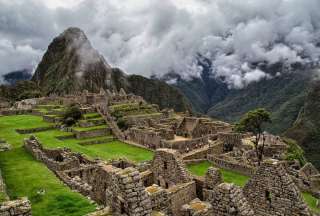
(151, 37)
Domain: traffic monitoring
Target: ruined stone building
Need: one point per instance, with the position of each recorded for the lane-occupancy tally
(165, 187)
(192, 127)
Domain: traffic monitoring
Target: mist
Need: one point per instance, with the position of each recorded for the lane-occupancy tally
(149, 37)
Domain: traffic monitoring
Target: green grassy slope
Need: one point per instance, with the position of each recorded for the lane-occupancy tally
(25, 176)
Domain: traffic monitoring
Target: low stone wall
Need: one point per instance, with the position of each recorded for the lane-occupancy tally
(21, 207)
(15, 112)
(92, 133)
(51, 119)
(221, 163)
(65, 137)
(184, 146)
(35, 130)
(95, 142)
(200, 154)
(91, 122)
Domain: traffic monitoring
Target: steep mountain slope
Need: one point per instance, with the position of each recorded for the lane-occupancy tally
(203, 91)
(283, 96)
(71, 65)
(15, 76)
(306, 129)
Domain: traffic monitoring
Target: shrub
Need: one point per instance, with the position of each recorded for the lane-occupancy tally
(72, 115)
(295, 152)
(122, 124)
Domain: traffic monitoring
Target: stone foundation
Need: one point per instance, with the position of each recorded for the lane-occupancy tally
(21, 207)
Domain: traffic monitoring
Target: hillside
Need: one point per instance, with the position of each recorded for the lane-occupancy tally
(306, 129)
(71, 64)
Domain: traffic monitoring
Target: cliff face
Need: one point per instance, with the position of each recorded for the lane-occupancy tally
(71, 65)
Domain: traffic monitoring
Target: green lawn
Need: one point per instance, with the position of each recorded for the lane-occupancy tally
(312, 202)
(201, 168)
(111, 150)
(25, 176)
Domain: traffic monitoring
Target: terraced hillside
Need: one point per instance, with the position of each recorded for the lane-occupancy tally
(24, 176)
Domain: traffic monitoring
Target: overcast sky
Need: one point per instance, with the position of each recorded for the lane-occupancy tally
(154, 37)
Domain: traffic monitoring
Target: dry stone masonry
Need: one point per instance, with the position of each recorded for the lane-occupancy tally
(164, 186)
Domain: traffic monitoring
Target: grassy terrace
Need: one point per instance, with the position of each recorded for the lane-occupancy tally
(200, 169)
(89, 128)
(25, 176)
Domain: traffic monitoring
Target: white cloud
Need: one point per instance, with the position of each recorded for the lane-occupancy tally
(155, 37)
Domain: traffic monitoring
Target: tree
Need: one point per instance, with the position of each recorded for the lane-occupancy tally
(72, 115)
(254, 122)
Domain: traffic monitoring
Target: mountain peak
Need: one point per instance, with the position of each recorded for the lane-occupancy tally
(72, 60)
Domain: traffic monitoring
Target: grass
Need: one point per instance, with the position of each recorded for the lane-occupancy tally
(91, 116)
(311, 201)
(90, 128)
(110, 150)
(24, 176)
(201, 168)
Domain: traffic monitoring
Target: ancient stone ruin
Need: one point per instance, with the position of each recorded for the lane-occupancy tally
(166, 187)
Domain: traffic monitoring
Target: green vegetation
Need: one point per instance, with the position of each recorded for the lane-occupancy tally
(122, 110)
(91, 116)
(25, 176)
(71, 115)
(229, 176)
(254, 122)
(2, 196)
(312, 202)
(295, 152)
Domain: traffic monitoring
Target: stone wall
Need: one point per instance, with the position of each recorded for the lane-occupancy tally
(184, 146)
(145, 137)
(228, 200)
(168, 169)
(160, 200)
(21, 207)
(56, 159)
(92, 133)
(35, 130)
(181, 194)
(126, 194)
(197, 208)
(225, 164)
(271, 191)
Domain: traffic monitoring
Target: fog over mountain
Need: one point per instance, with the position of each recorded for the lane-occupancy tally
(151, 37)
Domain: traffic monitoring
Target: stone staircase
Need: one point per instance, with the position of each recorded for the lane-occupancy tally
(103, 110)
